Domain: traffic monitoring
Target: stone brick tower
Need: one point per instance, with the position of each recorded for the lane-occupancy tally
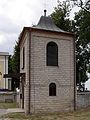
(47, 67)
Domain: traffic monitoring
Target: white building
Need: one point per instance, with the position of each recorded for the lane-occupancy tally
(4, 82)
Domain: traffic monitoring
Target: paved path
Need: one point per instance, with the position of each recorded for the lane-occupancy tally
(3, 111)
(10, 110)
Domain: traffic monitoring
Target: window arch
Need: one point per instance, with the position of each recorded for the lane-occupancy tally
(52, 89)
(52, 54)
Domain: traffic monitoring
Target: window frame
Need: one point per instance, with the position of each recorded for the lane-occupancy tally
(52, 59)
(23, 57)
(52, 89)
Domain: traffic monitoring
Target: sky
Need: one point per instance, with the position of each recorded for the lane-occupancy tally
(15, 14)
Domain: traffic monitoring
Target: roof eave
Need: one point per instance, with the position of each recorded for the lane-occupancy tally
(22, 34)
(43, 30)
(59, 32)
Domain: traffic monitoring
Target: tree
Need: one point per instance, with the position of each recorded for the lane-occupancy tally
(14, 66)
(60, 16)
(80, 3)
(16, 59)
(81, 27)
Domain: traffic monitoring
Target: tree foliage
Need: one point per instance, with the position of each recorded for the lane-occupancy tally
(14, 60)
(81, 27)
(14, 66)
(61, 16)
(84, 5)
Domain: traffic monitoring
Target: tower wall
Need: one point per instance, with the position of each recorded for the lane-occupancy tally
(42, 75)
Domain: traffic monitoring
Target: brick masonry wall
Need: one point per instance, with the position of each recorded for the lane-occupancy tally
(42, 75)
(25, 44)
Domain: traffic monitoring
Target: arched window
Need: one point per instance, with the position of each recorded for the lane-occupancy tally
(52, 54)
(52, 89)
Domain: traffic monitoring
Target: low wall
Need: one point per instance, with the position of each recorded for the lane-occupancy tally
(8, 97)
(83, 99)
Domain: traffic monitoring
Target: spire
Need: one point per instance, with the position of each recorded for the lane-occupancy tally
(45, 12)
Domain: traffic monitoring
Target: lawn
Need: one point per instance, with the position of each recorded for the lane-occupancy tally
(8, 105)
(83, 114)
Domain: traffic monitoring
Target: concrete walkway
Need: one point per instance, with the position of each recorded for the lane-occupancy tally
(3, 112)
(10, 110)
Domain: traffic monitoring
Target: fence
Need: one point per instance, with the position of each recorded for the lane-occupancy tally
(83, 99)
(8, 96)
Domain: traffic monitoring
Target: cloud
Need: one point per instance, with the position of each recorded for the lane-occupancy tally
(7, 25)
(9, 32)
(15, 14)
(87, 84)
(8, 42)
(2, 39)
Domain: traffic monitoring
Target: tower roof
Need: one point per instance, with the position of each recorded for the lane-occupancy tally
(46, 23)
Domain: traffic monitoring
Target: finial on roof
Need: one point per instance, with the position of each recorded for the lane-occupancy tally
(45, 12)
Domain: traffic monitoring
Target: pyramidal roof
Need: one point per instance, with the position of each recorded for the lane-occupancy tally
(46, 23)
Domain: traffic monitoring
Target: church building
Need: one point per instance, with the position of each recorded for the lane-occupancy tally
(47, 67)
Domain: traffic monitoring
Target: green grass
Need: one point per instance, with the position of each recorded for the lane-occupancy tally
(8, 105)
(83, 114)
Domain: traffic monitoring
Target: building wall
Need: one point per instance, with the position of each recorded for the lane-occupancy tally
(42, 75)
(3, 70)
(25, 44)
